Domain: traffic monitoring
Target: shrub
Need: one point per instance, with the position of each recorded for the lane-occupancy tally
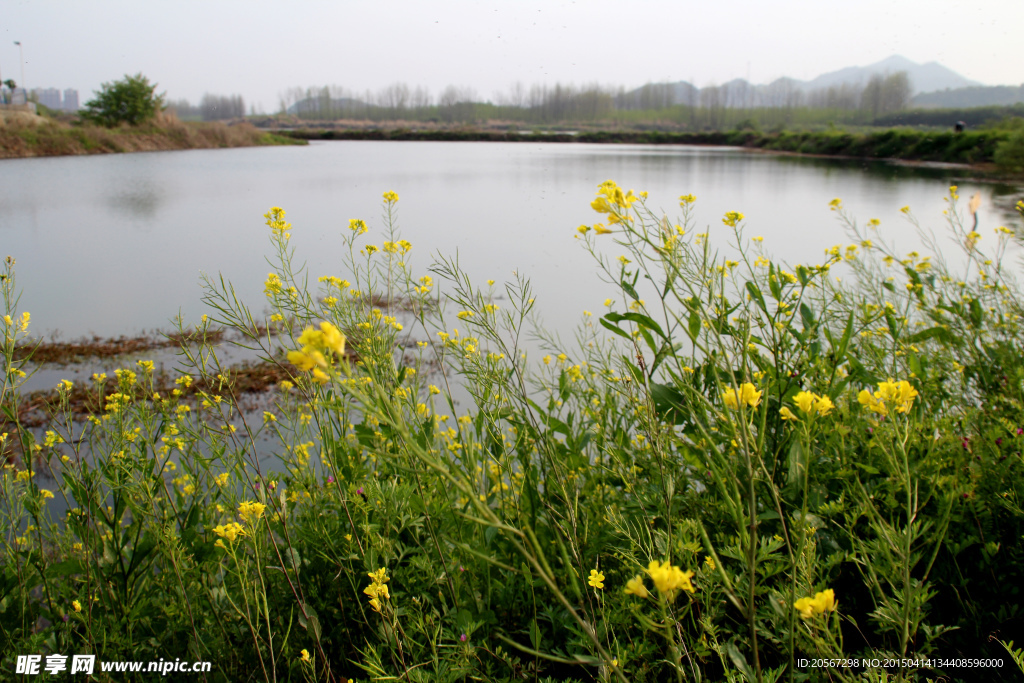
(131, 100)
(1009, 155)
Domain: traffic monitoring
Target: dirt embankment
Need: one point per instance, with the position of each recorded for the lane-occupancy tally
(34, 136)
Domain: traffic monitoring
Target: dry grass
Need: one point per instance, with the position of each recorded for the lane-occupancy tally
(20, 138)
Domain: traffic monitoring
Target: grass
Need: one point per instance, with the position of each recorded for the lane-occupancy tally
(739, 465)
(55, 138)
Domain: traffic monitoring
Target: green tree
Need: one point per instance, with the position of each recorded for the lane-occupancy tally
(132, 101)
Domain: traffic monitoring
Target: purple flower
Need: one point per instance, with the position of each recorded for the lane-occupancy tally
(999, 442)
(360, 491)
(257, 484)
(272, 485)
(330, 479)
(1020, 430)
(461, 568)
(463, 637)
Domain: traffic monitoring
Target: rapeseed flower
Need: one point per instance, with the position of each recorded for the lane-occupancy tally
(898, 395)
(596, 579)
(732, 218)
(748, 395)
(75, 605)
(230, 531)
(304, 655)
(251, 511)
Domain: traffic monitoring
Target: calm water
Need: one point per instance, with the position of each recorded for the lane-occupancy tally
(115, 244)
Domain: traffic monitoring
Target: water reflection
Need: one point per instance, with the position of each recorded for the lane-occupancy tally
(140, 202)
(130, 234)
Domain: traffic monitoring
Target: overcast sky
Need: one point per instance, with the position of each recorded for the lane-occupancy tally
(258, 48)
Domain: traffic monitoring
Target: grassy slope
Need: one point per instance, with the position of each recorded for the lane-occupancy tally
(54, 138)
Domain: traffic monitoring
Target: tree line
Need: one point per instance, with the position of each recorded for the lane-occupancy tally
(677, 103)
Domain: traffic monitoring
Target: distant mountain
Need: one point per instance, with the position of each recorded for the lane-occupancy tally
(976, 96)
(923, 77)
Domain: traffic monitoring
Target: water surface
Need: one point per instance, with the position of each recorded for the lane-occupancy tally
(115, 244)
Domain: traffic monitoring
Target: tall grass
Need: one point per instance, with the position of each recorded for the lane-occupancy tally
(739, 466)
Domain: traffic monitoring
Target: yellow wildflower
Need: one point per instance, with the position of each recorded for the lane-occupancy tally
(596, 579)
(748, 395)
(635, 586)
(732, 218)
(251, 511)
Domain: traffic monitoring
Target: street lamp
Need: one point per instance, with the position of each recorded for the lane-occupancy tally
(21, 55)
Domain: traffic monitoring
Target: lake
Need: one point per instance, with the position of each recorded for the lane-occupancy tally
(115, 244)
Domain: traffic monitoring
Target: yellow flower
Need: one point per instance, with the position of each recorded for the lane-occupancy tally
(332, 339)
(824, 405)
(307, 360)
(601, 230)
(804, 401)
(635, 586)
(669, 578)
(357, 225)
(251, 511)
(230, 531)
(304, 655)
(748, 395)
(835, 204)
(583, 229)
(871, 403)
(787, 414)
(45, 494)
(75, 605)
(390, 197)
(596, 579)
(805, 606)
(824, 601)
(900, 395)
(732, 218)
(686, 199)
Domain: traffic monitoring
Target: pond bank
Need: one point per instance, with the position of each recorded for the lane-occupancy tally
(971, 148)
(46, 137)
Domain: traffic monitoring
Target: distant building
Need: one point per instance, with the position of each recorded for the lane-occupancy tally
(50, 97)
(70, 100)
(19, 96)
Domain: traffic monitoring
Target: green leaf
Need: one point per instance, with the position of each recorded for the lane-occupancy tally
(755, 294)
(937, 332)
(740, 662)
(807, 315)
(693, 325)
(66, 568)
(796, 466)
(976, 313)
(669, 403)
(534, 634)
(614, 328)
(640, 319)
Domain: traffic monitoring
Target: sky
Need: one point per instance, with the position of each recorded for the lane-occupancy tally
(260, 48)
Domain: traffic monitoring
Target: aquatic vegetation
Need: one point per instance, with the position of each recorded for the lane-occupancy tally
(739, 465)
